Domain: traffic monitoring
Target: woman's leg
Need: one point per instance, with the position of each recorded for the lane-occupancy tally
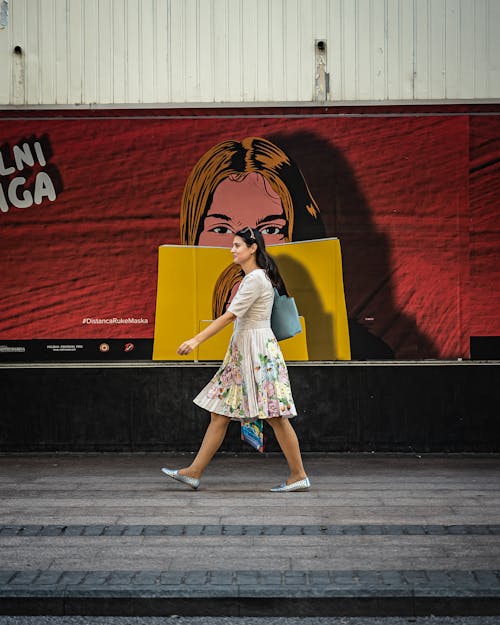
(216, 431)
(289, 443)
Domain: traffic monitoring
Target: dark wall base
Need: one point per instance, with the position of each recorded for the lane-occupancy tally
(396, 407)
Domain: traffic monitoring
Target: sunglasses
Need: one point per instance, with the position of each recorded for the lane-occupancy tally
(247, 230)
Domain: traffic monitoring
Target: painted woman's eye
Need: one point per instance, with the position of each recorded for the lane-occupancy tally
(269, 230)
(221, 230)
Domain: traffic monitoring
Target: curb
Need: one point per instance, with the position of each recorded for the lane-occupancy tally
(250, 593)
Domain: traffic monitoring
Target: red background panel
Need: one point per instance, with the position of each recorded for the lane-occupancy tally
(413, 198)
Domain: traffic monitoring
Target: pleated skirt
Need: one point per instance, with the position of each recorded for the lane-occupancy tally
(252, 382)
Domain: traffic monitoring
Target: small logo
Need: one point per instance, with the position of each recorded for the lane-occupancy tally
(104, 347)
(129, 347)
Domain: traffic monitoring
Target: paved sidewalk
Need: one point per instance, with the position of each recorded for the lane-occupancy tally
(376, 535)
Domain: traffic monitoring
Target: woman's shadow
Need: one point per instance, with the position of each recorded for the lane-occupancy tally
(319, 322)
(378, 328)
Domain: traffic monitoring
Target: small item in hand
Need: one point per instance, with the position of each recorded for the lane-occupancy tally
(285, 321)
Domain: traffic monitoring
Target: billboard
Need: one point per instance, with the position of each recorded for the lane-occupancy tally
(87, 200)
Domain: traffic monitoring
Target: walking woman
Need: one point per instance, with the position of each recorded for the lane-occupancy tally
(252, 383)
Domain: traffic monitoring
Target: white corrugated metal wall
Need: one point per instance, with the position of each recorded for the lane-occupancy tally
(246, 51)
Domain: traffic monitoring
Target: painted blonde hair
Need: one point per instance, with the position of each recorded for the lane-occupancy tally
(228, 279)
(236, 159)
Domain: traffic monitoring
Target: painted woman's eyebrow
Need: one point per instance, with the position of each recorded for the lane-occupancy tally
(270, 218)
(218, 216)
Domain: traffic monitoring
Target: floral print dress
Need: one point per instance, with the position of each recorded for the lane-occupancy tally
(252, 383)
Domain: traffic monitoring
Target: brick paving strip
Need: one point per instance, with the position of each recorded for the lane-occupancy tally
(250, 530)
(237, 593)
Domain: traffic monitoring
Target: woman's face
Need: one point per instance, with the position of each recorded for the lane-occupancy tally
(239, 203)
(240, 251)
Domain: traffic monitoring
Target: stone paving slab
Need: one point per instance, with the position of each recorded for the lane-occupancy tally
(265, 552)
(375, 536)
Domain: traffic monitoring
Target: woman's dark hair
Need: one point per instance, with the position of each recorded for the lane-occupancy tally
(264, 260)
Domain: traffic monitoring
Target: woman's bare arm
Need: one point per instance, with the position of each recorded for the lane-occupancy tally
(216, 326)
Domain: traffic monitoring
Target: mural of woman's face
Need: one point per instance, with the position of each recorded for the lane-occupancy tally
(250, 201)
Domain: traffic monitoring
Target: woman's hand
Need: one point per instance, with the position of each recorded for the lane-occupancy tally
(216, 325)
(187, 347)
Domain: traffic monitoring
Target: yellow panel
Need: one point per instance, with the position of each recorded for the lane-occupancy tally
(295, 348)
(312, 271)
(186, 276)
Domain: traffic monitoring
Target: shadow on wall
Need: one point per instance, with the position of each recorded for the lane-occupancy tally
(366, 255)
(319, 334)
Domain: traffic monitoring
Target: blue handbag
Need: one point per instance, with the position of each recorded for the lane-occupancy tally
(285, 321)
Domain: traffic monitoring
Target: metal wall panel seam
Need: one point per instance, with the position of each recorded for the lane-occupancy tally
(218, 45)
(61, 89)
(140, 52)
(324, 33)
(262, 44)
(350, 46)
(487, 37)
(451, 52)
(16, 90)
(199, 94)
(131, 54)
(111, 61)
(161, 20)
(438, 48)
(275, 51)
(33, 56)
(306, 78)
(305, 48)
(422, 49)
(75, 29)
(46, 38)
(377, 47)
(36, 57)
(7, 73)
(138, 34)
(242, 51)
(336, 54)
(467, 49)
(154, 73)
(148, 51)
(91, 42)
(169, 49)
(407, 79)
(119, 52)
(126, 51)
(414, 43)
(249, 26)
(105, 39)
(478, 41)
(190, 45)
(284, 85)
(212, 40)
